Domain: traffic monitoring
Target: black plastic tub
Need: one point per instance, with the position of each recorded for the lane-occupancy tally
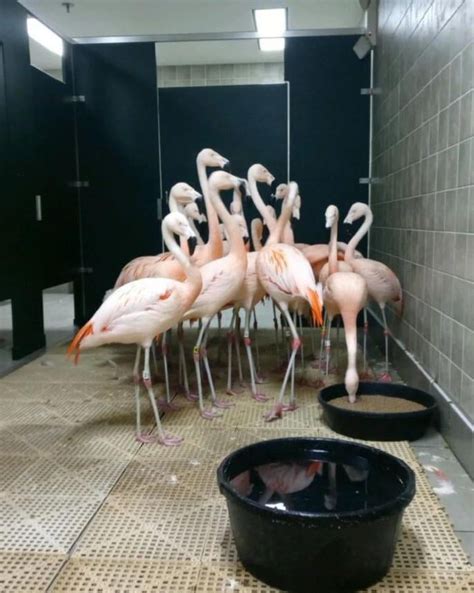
(376, 426)
(333, 517)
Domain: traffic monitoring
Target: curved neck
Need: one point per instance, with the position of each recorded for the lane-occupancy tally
(192, 272)
(231, 226)
(214, 239)
(259, 203)
(173, 204)
(332, 262)
(351, 247)
(196, 232)
(285, 215)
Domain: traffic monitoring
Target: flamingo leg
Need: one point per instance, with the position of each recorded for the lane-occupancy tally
(141, 438)
(300, 320)
(182, 357)
(323, 339)
(313, 344)
(248, 348)
(338, 327)
(275, 326)
(328, 344)
(365, 373)
(219, 330)
(237, 348)
(257, 350)
(216, 402)
(386, 377)
(166, 404)
(155, 364)
(279, 408)
(163, 438)
(208, 414)
(230, 340)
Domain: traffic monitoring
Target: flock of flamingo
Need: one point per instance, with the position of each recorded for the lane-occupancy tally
(196, 280)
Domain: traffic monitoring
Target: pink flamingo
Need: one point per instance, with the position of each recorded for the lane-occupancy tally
(287, 277)
(222, 279)
(383, 285)
(140, 310)
(193, 215)
(345, 294)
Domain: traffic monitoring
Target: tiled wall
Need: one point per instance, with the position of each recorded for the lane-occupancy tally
(220, 74)
(424, 207)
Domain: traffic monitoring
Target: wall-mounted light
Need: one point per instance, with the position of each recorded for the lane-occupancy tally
(44, 36)
(270, 23)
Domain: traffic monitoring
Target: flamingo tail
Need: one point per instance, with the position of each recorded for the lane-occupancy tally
(316, 308)
(75, 345)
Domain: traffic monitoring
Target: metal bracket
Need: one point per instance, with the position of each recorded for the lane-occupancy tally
(78, 184)
(75, 99)
(370, 180)
(83, 270)
(371, 91)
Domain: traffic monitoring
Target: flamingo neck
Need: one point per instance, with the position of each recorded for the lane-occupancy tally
(256, 229)
(351, 247)
(285, 215)
(193, 275)
(236, 243)
(173, 204)
(214, 240)
(332, 262)
(259, 203)
(196, 232)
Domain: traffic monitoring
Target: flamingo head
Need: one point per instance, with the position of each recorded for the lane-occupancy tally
(356, 211)
(332, 216)
(210, 158)
(351, 382)
(281, 191)
(192, 211)
(183, 193)
(297, 207)
(242, 227)
(261, 174)
(178, 224)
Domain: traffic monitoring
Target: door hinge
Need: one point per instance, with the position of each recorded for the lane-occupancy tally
(371, 91)
(370, 180)
(75, 99)
(79, 184)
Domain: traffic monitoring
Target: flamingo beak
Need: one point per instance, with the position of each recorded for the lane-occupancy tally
(246, 240)
(192, 242)
(348, 219)
(226, 165)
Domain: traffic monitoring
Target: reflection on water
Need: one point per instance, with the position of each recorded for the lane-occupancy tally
(317, 485)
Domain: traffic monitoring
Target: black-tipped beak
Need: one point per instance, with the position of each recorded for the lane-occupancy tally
(192, 242)
(246, 240)
(227, 166)
(243, 189)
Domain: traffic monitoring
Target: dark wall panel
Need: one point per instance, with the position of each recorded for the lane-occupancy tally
(247, 124)
(20, 272)
(329, 135)
(54, 143)
(118, 156)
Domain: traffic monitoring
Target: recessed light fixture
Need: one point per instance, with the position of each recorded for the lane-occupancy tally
(271, 23)
(44, 36)
(272, 44)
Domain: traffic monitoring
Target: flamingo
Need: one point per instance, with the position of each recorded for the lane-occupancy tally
(222, 279)
(345, 293)
(193, 215)
(382, 283)
(287, 277)
(140, 310)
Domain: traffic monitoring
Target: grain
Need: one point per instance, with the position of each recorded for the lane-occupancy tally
(378, 404)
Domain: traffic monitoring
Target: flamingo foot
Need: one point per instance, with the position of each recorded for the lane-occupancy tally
(290, 407)
(221, 403)
(235, 390)
(170, 441)
(276, 413)
(385, 377)
(260, 397)
(168, 406)
(145, 438)
(209, 414)
(261, 379)
(191, 396)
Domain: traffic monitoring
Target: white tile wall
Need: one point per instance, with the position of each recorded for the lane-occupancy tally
(220, 74)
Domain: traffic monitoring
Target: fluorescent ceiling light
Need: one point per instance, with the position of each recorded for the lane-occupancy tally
(270, 22)
(272, 44)
(44, 36)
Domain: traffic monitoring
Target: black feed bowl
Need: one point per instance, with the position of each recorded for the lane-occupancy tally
(375, 426)
(317, 552)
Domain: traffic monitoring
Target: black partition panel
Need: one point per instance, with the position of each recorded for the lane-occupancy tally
(329, 138)
(118, 162)
(247, 124)
(55, 160)
(20, 272)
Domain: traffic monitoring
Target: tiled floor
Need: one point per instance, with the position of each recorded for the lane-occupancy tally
(86, 508)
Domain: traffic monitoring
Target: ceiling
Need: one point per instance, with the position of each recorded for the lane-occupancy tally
(97, 18)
